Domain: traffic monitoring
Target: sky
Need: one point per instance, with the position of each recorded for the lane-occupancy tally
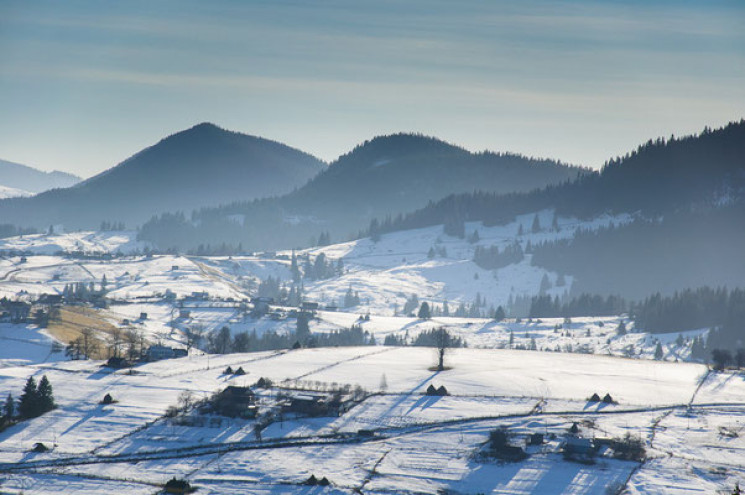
(86, 84)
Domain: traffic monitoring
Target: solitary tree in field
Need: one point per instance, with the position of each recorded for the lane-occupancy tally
(658, 351)
(499, 314)
(443, 341)
(424, 312)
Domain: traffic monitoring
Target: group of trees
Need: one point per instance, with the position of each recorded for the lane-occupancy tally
(122, 343)
(693, 309)
(10, 230)
(224, 342)
(322, 268)
(687, 248)
(490, 258)
(723, 358)
(34, 401)
(84, 292)
(107, 226)
(544, 306)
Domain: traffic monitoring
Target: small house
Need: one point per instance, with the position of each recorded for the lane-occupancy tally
(159, 352)
(578, 449)
(261, 304)
(332, 307)
(143, 316)
(50, 299)
(177, 486)
(535, 439)
(309, 306)
(184, 313)
(236, 402)
(313, 404)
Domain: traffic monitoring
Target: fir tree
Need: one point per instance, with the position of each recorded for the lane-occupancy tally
(28, 404)
(45, 396)
(621, 328)
(9, 408)
(499, 314)
(424, 312)
(536, 227)
(658, 351)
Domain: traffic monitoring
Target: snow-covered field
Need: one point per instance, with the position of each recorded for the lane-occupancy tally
(418, 444)
(688, 418)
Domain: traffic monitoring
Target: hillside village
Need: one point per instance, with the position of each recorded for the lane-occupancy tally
(283, 373)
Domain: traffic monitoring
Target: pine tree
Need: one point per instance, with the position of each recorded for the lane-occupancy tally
(621, 328)
(9, 408)
(545, 284)
(28, 404)
(45, 395)
(536, 227)
(302, 330)
(658, 351)
(294, 269)
(499, 314)
(424, 312)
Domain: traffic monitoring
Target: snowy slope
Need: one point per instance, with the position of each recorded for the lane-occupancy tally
(87, 242)
(11, 192)
(419, 444)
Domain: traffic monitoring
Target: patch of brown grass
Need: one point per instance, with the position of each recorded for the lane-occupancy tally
(67, 324)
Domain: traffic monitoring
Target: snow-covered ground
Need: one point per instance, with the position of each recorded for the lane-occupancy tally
(386, 272)
(11, 192)
(688, 418)
(85, 242)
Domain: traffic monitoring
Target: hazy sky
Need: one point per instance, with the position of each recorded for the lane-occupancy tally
(85, 84)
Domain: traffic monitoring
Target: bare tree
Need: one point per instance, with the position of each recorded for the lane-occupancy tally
(133, 339)
(117, 340)
(194, 336)
(89, 343)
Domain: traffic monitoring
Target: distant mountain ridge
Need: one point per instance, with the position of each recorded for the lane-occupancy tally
(28, 179)
(688, 196)
(201, 166)
(387, 175)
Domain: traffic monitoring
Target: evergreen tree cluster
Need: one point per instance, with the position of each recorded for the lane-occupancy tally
(659, 177)
(490, 258)
(683, 249)
(322, 268)
(544, 306)
(437, 337)
(107, 226)
(34, 401)
(223, 342)
(694, 309)
(9, 230)
(351, 298)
